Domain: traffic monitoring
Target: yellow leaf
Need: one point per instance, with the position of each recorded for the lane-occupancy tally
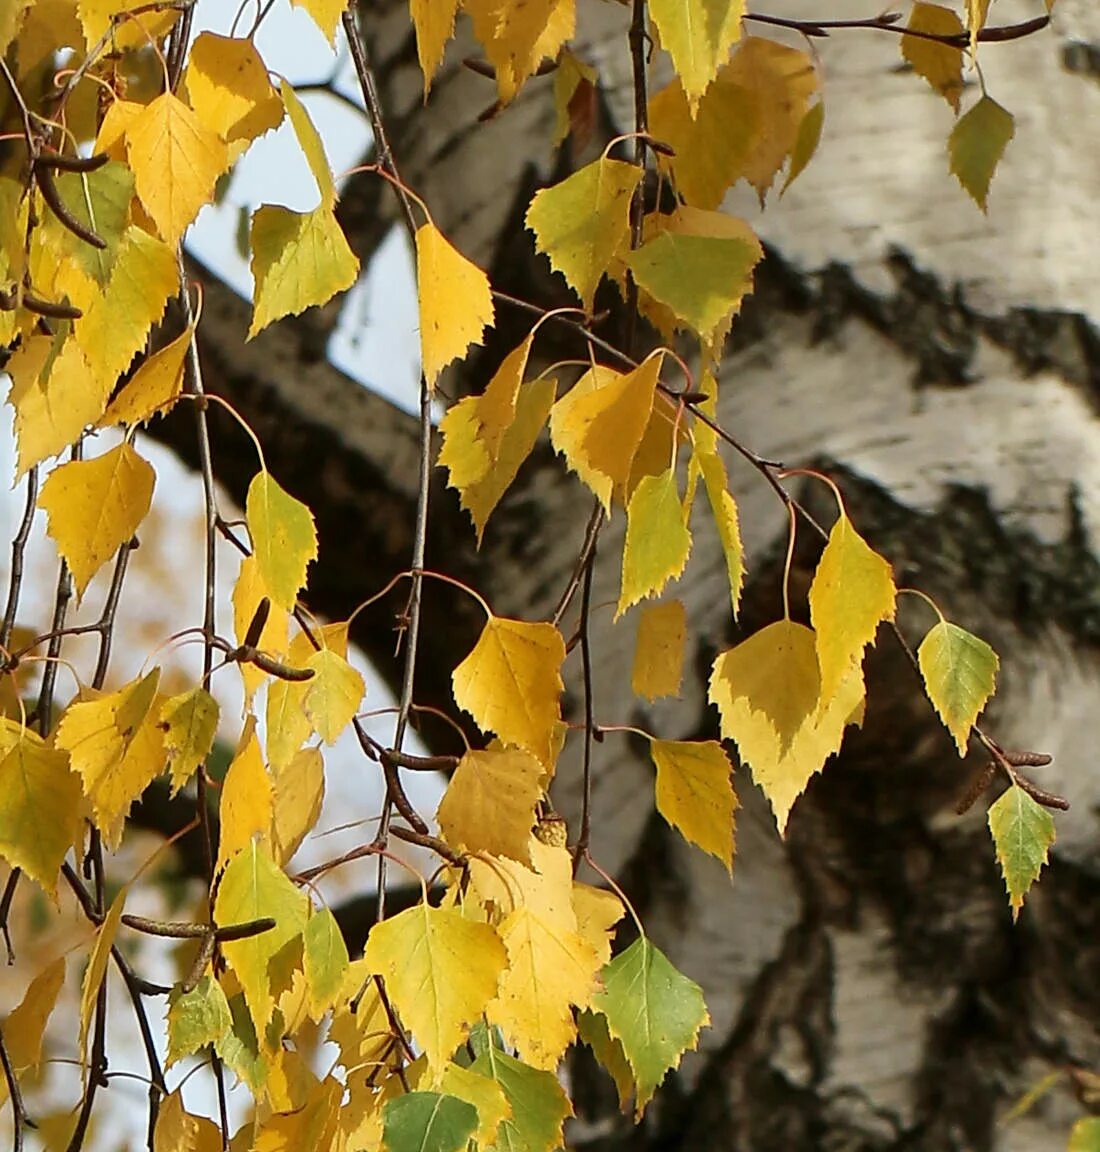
(767, 690)
(940, 64)
(136, 31)
(440, 971)
(299, 791)
(309, 140)
(574, 99)
(851, 594)
(434, 21)
(805, 145)
(976, 13)
(456, 305)
(299, 261)
(245, 809)
(189, 722)
(976, 145)
(582, 222)
(229, 89)
(551, 966)
(40, 805)
(599, 425)
(25, 1027)
(153, 388)
(11, 18)
(659, 650)
(179, 1131)
(95, 507)
(724, 509)
(511, 683)
(489, 805)
(284, 540)
(116, 325)
(698, 35)
(484, 1094)
(248, 593)
(97, 967)
(695, 793)
(518, 37)
(252, 887)
(658, 542)
(598, 911)
(713, 146)
(782, 80)
(176, 161)
(54, 398)
(325, 14)
(116, 746)
(482, 481)
(333, 695)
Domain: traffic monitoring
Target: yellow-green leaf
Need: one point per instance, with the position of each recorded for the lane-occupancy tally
(299, 260)
(441, 970)
(176, 162)
(1023, 832)
(695, 793)
(940, 64)
(489, 805)
(40, 805)
(95, 506)
(189, 722)
(325, 960)
(976, 145)
(284, 540)
(806, 142)
(960, 673)
(253, 887)
(583, 221)
(484, 1094)
(333, 695)
(116, 746)
(851, 595)
(196, 1018)
(698, 35)
(659, 650)
(96, 971)
(658, 542)
(511, 683)
(539, 1105)
(456, 304)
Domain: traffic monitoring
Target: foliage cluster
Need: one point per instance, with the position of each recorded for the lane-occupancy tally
(451, 1026)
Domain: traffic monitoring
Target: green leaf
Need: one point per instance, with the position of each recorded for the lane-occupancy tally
(196, 1018)
(427, 1122)
(100, 200)
(658, 542)
(653, 1010)
(960, 672)
(592, 1029)
(284, 540)
(539, 1104)
(977, 144)
(700, 278)
(1085, 1136)
(1023, 832)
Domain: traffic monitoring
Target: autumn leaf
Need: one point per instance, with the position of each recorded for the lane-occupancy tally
(300, 260)
(325, 961)
(726, 520)
(440, 970)
(960, 673)
(1023, 831)
(299, 790)
(189, 722)
(179, 1131)
(116, 747)
(511, 684)
(25, 1025)
(456, 305)
(40, 805)
(485, 1095)
(230, 91)
(575, 100)
(695, 793)
(100, 201)
(976, 145)
(940, 64)
(698, 35)
(253, 887)
(325, 14)
(518, 37)
(489, 805)
(309, 140)
(434, 21)
(284, 539)
(654, 1011)
(176, 160)
(582, 222)
(658, 542)
(95, 506)
(245, 806)
(153, 388)
(851, 594)
(659, 650)
(96, 971)
(805, 145)
(196, 1018)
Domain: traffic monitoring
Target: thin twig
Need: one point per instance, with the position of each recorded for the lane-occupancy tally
(889, 22)
(18, 557)
(19, 1112)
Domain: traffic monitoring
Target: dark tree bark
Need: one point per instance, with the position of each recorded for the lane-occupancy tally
(867, 986)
